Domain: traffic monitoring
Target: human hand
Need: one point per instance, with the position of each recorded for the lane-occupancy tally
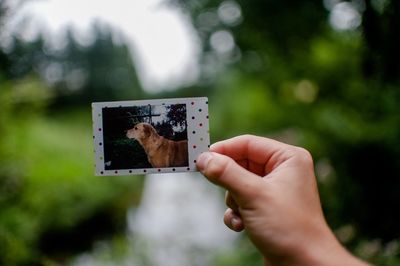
(272, 193)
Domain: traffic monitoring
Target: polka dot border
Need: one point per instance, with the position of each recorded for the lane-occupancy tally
(197, 129)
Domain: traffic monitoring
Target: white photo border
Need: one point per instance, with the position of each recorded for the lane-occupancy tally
(198, 135)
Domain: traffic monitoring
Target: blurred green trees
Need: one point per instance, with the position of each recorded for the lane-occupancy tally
(78, 73)
(51, 204)
(285, 69)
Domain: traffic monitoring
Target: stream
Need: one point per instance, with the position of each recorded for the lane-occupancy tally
(178, 223)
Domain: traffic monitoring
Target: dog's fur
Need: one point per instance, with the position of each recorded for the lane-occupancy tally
(161, 152)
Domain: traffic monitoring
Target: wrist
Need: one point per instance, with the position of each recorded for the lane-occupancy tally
(320, 249)
(327, 250)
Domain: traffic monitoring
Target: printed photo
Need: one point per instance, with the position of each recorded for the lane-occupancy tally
(146, 136)
(149, 136)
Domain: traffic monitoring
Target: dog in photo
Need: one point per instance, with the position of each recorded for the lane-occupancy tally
(161, 152)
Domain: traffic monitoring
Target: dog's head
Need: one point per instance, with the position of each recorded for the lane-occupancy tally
(140, 131)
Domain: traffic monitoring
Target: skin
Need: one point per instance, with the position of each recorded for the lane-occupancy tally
(272, 193)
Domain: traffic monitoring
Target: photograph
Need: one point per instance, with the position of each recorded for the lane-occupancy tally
(149, 136)
(145, 136)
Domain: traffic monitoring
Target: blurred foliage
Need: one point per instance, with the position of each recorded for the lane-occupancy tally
(78, 73)
(244, 254)
(282, 69)
(274, 68)
(51, 204)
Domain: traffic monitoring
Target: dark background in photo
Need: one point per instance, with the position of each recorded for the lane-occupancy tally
(121, 152)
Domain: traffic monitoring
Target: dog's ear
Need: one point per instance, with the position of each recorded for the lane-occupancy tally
(147, 130)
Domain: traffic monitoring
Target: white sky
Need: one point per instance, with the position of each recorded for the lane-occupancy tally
(162, 38)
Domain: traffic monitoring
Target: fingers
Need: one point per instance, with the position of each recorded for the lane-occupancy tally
(230, 202)
(233, 220)
(232, 217)
(258, 151)
(225, 172)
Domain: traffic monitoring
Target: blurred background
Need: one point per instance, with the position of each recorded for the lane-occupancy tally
(323, 74)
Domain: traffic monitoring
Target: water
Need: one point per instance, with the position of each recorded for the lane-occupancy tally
(178, 223)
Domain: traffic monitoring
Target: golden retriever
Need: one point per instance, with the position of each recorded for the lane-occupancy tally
(161, 152)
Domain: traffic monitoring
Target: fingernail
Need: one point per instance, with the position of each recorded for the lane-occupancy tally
(203, 160)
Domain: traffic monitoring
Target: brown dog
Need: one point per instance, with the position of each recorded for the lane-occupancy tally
(161, 152)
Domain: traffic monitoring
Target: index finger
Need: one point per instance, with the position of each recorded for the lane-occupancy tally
(263, 151)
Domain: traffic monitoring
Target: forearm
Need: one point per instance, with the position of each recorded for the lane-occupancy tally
(326, 252)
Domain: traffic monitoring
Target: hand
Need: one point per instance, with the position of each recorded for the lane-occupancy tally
(272, 193)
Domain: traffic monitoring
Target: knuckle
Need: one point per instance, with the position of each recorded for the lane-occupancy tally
(246, 137)
(304, 155)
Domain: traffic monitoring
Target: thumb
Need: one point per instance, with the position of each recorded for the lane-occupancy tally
(225, 172)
